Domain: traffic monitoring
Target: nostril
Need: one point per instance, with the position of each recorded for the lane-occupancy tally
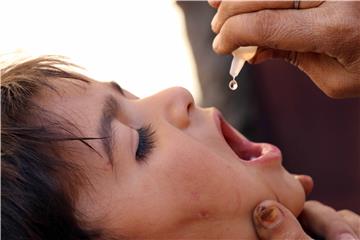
(189, 107)
(178, 104)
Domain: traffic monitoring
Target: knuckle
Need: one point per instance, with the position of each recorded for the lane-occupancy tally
(313, 203)
(345, 212)
(266, 27)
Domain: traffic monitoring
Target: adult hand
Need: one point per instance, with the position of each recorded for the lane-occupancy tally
(274, 221)
(325, 222)
(321, 38)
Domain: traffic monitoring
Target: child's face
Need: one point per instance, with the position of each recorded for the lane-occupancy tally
(190, 185)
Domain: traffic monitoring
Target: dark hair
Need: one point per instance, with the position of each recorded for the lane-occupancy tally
(38, 187)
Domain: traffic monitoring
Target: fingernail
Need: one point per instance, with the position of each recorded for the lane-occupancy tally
(268, 216)
(346, 236)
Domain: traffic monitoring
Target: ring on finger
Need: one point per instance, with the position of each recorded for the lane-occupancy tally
(296, 4)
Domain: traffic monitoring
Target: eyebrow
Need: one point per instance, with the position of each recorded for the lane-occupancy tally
(105, 131)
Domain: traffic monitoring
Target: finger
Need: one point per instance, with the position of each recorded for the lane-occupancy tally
(290, 30)
(306, 182)
(327, 73)
(325, 222)
(214, 3)
(262, 54)
(274, 221)
(323, 70)
(352, 219)
(228, 9)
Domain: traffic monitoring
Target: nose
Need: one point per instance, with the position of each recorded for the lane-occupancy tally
(174, 104)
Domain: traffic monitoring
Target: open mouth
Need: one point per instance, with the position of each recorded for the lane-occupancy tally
(243, 148)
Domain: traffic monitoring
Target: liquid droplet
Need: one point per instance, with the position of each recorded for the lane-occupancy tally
(233, 85)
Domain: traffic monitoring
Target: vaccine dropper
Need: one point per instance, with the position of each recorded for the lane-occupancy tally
(240, 56)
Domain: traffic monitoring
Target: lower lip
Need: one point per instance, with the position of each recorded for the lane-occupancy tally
(270, 154)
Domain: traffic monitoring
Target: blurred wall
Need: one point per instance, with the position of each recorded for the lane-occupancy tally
(318, 135)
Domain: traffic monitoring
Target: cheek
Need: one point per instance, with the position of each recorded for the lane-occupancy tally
(201, 183)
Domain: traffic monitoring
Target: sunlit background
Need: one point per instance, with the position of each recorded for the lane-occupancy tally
(140, 44)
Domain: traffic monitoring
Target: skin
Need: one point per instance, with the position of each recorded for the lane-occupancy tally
(322, 38)
(190, 186)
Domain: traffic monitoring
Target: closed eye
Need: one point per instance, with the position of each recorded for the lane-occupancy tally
(146, 143)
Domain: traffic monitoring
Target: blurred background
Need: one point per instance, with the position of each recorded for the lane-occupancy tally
(147, 46)
(140, 44)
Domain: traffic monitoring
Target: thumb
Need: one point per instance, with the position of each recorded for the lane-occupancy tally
(327, 73)
(306, 182)
(274, 221)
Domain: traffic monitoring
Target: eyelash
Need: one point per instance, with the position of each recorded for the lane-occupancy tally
(146, 143)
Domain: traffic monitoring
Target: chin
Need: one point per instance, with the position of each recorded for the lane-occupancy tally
(291, 194)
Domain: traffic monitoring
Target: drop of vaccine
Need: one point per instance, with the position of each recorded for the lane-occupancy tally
(233, 85)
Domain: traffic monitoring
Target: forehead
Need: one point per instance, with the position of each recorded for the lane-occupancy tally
(73, 101)
(75, 106)
(73, 93)
(73, 88)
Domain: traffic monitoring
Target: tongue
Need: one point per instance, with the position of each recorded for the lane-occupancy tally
(245, 150)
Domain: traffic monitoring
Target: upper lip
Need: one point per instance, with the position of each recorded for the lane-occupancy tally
(217, 118)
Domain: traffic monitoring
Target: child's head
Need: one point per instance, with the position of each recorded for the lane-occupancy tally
(83, 159)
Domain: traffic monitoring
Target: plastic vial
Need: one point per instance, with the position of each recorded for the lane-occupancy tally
(240, 56)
